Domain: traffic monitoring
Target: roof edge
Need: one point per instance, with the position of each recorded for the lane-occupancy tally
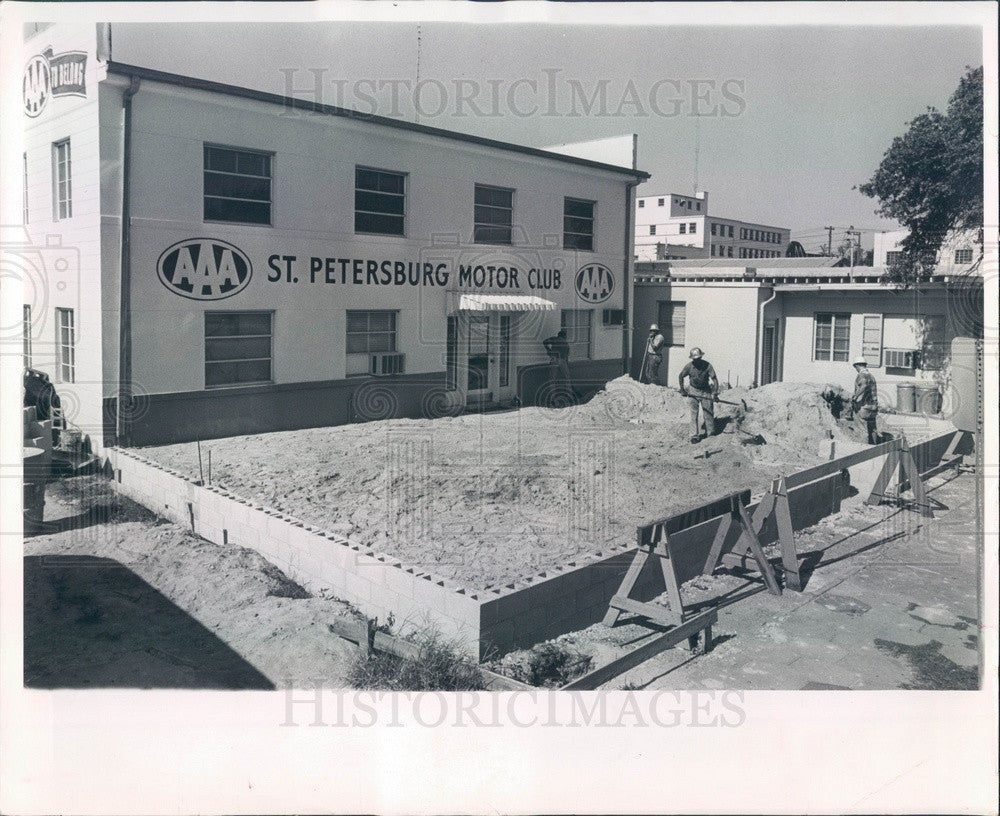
(154, 75)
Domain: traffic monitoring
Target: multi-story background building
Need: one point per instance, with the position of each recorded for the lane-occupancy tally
(666, 223)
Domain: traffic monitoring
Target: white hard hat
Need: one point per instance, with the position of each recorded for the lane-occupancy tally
(654, 327)
(860, 361)
(696, 353)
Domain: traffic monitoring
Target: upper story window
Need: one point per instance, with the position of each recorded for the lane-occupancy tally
(697, 205)
(693, 227)
(652, 229)
(493, 215)
(683, 229)
(578, 224)
(713, 228)
(62, 181)
(237, 185)
(659, 202)
(641, 203)
(730, 230)
(379, 201)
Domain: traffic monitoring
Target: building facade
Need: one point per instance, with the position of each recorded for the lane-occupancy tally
(762, 324)
(960, 251)
(679, 220)
(241, 262)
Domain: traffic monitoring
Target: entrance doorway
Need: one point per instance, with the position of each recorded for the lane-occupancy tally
(481, 349)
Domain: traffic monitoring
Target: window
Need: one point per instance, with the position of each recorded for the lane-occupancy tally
(379, 199)
(671, 321)
(65, 346)
(683, 229)
(832, 337)
(730, 235)
(893, 257)
(578, 224)
(368, 332)
(494, 215)
(693, 227)
(24, 196)
(451, 355)
(237, 186)
(659, 202)
(26, 334)
(698, 206)
(576, 322)
(962, 256)
(237, 348)
(729, 251)
(62, 178)
(641, 203)
(652, 229)
(713, 229)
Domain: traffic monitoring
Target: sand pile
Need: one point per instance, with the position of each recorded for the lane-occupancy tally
(487, 498)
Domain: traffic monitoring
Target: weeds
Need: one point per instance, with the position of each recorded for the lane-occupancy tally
(549, 665)
(440, 666)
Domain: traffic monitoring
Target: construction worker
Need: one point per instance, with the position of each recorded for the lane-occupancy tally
(557, 348)
(654, 356)
(865, 399)
(701, 391)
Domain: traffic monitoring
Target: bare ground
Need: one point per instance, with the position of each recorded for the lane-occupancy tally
(115, 597)
(484, 499)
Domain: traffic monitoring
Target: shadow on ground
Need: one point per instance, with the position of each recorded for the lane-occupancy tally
(93, 623)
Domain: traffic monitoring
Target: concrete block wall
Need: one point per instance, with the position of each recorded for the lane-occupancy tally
(375, 583)
(488, 621)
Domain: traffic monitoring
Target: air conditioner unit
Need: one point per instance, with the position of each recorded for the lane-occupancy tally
(386, 363)
(900, 358)
(614, 317)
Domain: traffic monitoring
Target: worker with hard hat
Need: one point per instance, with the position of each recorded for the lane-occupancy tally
(865, 399)
(650, 370)
(702, 389)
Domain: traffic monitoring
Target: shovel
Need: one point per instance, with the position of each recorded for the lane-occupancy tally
(741, 404)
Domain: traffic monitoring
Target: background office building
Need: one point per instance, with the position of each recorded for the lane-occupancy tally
(667, 224)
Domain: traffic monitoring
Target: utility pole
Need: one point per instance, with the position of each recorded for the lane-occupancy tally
(853, 232)
(829, 240)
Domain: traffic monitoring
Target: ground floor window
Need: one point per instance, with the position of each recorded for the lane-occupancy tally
(26, 333)
(65, 346)
(237, 348)
(451, 355)
(832, 337)
(577, 324)
(371, 342)
(671, 319)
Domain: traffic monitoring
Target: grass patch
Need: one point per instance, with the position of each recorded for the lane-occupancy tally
(440, 666)
(550, 665)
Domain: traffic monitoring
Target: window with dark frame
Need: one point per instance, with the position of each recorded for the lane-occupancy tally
(62, 178)
(65, 346)
(238, 348)
(379, 201)
(683, 229)
(652, 229)
(963, 256)
(369, 331)
(237, 185)
(832, 337)
(578, 224)
(693, 228)
(493, 215)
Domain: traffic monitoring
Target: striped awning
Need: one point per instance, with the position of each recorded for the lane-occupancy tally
(503, 303)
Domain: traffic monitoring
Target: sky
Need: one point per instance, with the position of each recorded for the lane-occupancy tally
(789, 118)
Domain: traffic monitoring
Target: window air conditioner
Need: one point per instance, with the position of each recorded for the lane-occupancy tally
(900, 358)
(386, 363)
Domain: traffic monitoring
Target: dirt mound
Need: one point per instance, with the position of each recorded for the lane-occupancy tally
(485, 499)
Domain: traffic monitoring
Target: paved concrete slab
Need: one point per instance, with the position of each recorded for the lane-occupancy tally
(891, 602)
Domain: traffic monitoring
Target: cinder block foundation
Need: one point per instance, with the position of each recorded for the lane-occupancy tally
(485, 621)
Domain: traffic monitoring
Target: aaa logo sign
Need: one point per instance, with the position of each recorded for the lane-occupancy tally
(204, 269)
(47, 75)
(594, 283)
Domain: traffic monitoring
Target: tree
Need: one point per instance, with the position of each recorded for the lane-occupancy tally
(931, 178)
